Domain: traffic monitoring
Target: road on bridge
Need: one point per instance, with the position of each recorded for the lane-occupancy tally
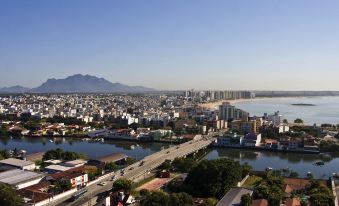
(138, 170)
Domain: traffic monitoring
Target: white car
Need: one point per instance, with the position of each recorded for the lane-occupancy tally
(103, 183)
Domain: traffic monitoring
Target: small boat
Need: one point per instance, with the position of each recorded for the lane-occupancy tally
(132, 147)
(319, 163)
(51, 141)
(268, 169)
(309, 174)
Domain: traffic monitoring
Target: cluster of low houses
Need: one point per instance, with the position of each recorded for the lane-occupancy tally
(284, 143)
(37, 187)
(291, 185)
(47, 129)
(142, 134)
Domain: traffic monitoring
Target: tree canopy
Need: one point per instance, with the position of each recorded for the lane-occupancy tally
(299, 121)
(184, 165)
(159, 198)
(270, 188)
(213, 178)
(9, 197)
(111, 166)
(63, 155)
(122, 184)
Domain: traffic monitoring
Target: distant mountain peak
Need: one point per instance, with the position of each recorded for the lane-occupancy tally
(14, 89)
(79, 83)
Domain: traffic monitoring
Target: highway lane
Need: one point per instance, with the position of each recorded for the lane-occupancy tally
(137, 170)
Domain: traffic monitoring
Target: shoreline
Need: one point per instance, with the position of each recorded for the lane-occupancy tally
(214, 105)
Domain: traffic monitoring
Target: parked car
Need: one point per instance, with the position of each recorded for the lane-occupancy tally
(103, 183)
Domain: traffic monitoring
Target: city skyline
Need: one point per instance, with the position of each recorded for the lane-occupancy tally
(173, 45)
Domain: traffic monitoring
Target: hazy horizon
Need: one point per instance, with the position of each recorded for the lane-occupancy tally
(173, 45)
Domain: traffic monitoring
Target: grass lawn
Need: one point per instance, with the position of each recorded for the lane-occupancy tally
(251, 181)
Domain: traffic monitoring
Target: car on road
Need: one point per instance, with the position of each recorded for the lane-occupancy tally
(167, 152)
(103, 183)
(131, 168)
(113, 178)
(178, 147)
(78, 194)
(142, 163)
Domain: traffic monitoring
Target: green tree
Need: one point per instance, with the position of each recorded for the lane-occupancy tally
(175, 185)
(212, 178)
(111, 166)
(157, 198)
(211, 201)
(246, 200)
(144, 192)
(184, 165)
(270, 188)
(180, 199)
(60, 154)
(294, 174)
(320, 194)
(130, 160)
(122, 184)
(63, 185)
(299, 121)
(9, 197)
(166, 165)
(285, 121)
(91, 176)
(4, 129)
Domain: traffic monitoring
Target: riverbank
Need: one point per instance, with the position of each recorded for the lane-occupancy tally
(269, 149)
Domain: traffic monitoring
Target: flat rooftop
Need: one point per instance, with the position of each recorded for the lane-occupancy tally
(112, 158)
(14, 177)
(16, 162)
(58, 168)
(76, 162)
(233, 197)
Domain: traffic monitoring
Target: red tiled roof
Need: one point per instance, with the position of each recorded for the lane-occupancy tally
(293, 202)
(260, 202)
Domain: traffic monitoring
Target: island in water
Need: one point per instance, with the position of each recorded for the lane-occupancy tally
(303, 104)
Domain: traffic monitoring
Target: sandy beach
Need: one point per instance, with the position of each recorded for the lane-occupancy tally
(214, 105)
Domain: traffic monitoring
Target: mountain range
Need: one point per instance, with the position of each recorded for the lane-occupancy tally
(78, 83)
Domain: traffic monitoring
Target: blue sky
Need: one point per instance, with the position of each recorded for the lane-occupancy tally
(173, 44)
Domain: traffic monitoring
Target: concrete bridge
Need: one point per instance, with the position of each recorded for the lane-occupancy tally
(142, 168)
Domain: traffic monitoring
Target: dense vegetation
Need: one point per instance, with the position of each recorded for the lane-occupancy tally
(213, 178)
(159, 198)
(271, 188)
(63, 185)
(63, 155)
(184, 165)
(4, 154)
(9, 197)
(298, 121)
(122, 184)
(319, 194)
(111, 166)
(329, 146)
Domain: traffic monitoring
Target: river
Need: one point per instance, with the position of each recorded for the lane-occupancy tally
(259, 160)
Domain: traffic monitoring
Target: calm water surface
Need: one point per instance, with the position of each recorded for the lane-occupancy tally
(301, 163)
(326, 109)
(91, 149)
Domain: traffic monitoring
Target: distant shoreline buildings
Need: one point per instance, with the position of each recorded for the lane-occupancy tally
(219, 95)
